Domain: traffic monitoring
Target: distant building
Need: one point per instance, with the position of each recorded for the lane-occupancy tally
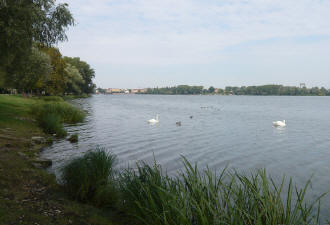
(302, 85)
(125, 91)
(116, 90)
(113, 91)
(137, 91)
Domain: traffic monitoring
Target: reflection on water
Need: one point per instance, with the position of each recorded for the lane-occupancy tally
(224, 130)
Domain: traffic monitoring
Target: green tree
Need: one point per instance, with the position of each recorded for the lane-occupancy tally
(36, 74)
(315, 91)
(24, 22)
(57, 82)
(86, 72)
(73, 80)
(211, 89)
(323, 91)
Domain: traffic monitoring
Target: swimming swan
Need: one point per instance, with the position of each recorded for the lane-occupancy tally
(154, 120)
(279, 123)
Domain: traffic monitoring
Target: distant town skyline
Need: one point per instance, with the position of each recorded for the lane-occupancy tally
(138, 44)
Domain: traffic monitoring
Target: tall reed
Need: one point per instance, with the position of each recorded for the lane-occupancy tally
(148, 195)
(204, 198)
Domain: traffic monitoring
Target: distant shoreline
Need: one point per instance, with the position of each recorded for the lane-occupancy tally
(263, 90)
(224, 95)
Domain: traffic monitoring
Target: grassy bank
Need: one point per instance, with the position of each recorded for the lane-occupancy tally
(70, 97)
(148, 196)
(28, 194)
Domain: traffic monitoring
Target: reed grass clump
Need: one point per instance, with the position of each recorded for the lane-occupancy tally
(90, 178)
(203, 198)
(51, 115)
(51, 124)
(67, 112)
(147, 195)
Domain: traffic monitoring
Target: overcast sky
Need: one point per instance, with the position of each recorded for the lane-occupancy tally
(149, 43)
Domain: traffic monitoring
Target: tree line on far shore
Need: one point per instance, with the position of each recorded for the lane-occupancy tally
(29, 62)
(243, 90)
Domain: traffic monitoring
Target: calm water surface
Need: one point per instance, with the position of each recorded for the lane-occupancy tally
(225, 130)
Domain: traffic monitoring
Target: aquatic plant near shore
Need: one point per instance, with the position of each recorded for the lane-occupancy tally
(150, 196)
(51, 115)
(196, 197)
(67, 112)
(51, 124)
(73, 138)
(90, 178)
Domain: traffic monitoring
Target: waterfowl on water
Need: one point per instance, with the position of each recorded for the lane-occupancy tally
(279, 123)
(153, 121)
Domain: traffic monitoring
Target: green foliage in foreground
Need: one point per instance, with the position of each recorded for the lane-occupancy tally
(51, 115)
(90, 178)
(148, 196)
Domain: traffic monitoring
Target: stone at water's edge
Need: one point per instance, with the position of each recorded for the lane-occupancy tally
(38, 140)
(43, 163)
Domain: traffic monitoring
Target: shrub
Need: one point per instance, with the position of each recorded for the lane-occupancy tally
(90, 178)
(84, 95)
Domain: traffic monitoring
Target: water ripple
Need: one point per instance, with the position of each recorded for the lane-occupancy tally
(225, 130)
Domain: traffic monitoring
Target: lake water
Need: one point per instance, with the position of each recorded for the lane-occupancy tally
(225, 130)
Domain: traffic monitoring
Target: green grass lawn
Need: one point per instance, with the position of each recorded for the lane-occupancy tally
(15, 118)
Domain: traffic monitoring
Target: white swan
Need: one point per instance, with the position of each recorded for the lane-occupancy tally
(154, 120)
(279, 123)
